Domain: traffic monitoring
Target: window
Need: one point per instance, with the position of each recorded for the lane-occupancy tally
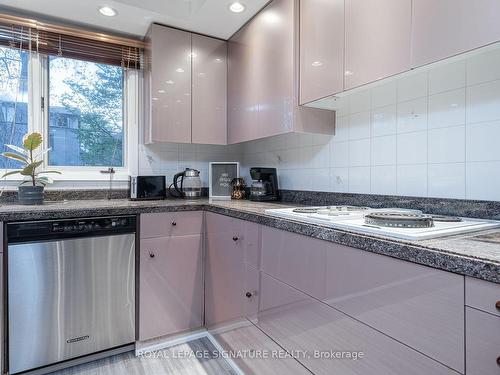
(85, 113)
(13, 100)
(80, 90)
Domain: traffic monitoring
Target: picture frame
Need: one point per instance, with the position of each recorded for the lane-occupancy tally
(220, 175)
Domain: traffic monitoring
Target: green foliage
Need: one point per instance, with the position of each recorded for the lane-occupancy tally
(31, 142)
(98, 99)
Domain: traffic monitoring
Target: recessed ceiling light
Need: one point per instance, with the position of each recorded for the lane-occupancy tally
(169, 82)
(107, 11)
(179, 70)
(236, 7)
(317, 63)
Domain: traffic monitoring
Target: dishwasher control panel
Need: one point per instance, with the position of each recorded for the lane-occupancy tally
(23, 231)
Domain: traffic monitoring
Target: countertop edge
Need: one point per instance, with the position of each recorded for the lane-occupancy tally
(480, 268)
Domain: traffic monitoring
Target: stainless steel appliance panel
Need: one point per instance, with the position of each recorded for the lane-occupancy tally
(69, 298)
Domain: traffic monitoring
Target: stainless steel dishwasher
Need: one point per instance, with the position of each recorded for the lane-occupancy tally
(70, 289)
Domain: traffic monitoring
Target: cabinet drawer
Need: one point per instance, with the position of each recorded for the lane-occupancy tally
(171, 224)
(482, 343)
(482, 295)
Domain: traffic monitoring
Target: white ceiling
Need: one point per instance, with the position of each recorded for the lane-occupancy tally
(210, 17)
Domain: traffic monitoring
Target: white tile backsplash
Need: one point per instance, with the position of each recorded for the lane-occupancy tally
(412, 148)
(483, 102)
(447, 180)
(447, 109)
(412, 87)
(359, 125)
(412, 115)
(433, 133)
(384, 120)
(447, 145)
(359, 180)
(384, 150)
(484, 67)
(483, 141)
(447, 77)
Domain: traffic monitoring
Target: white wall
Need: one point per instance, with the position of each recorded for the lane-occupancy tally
(170, 158)
(434, 133)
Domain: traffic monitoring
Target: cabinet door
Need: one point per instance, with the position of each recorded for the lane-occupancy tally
(377, 37)
(321, 48)
(209, 90)
(483, 343)
(231, 276)
(482, 295)
(170, 85)
(171, 285)
(417, 305)
(261, 75)
(448, 27)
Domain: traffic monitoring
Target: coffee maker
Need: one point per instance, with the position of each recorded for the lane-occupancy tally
(264, 184)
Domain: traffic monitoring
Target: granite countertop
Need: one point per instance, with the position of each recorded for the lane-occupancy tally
(476, 255)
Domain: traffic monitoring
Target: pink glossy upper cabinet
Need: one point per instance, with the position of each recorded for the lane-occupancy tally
(321, 48)
(273, 45)
(263, 78)
(209, 90)
(170, 85)
(377, 37)
(242, 91)
(448, 27)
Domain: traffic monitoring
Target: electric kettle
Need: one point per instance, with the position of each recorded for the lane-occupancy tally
(189, 186)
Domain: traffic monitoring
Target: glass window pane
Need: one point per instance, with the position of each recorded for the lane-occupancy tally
(13, 101)
(85, 113)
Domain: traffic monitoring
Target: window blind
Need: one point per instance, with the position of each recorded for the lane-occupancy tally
(35, 36)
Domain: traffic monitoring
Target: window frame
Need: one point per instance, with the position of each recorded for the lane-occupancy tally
(38, 120)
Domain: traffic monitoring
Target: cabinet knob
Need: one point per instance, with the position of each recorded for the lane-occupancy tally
(498, 361)
(151, 255)
(248, 294)
(497, 305)
(235, 238)
(174, 223)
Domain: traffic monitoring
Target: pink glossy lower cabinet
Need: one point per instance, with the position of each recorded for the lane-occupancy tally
(171, 224)
(483, 343)
(230, 272)
(295, 259)
(298, 322)
(482, 295)
(419, 306)
(171, 285)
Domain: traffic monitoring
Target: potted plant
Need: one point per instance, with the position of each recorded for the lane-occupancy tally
(32, 193)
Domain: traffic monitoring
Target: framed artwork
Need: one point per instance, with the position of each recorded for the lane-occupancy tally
(220, 175)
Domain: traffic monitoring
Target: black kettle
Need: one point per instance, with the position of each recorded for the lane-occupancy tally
(189, 186)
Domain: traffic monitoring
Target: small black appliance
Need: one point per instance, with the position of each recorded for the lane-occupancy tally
(264, 184)
(147, 187)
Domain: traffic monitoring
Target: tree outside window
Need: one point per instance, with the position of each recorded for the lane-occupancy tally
(85, 113)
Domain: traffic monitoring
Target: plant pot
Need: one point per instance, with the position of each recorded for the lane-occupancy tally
(30, 195)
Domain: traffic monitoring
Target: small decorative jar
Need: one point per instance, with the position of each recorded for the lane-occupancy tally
(238, 191)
